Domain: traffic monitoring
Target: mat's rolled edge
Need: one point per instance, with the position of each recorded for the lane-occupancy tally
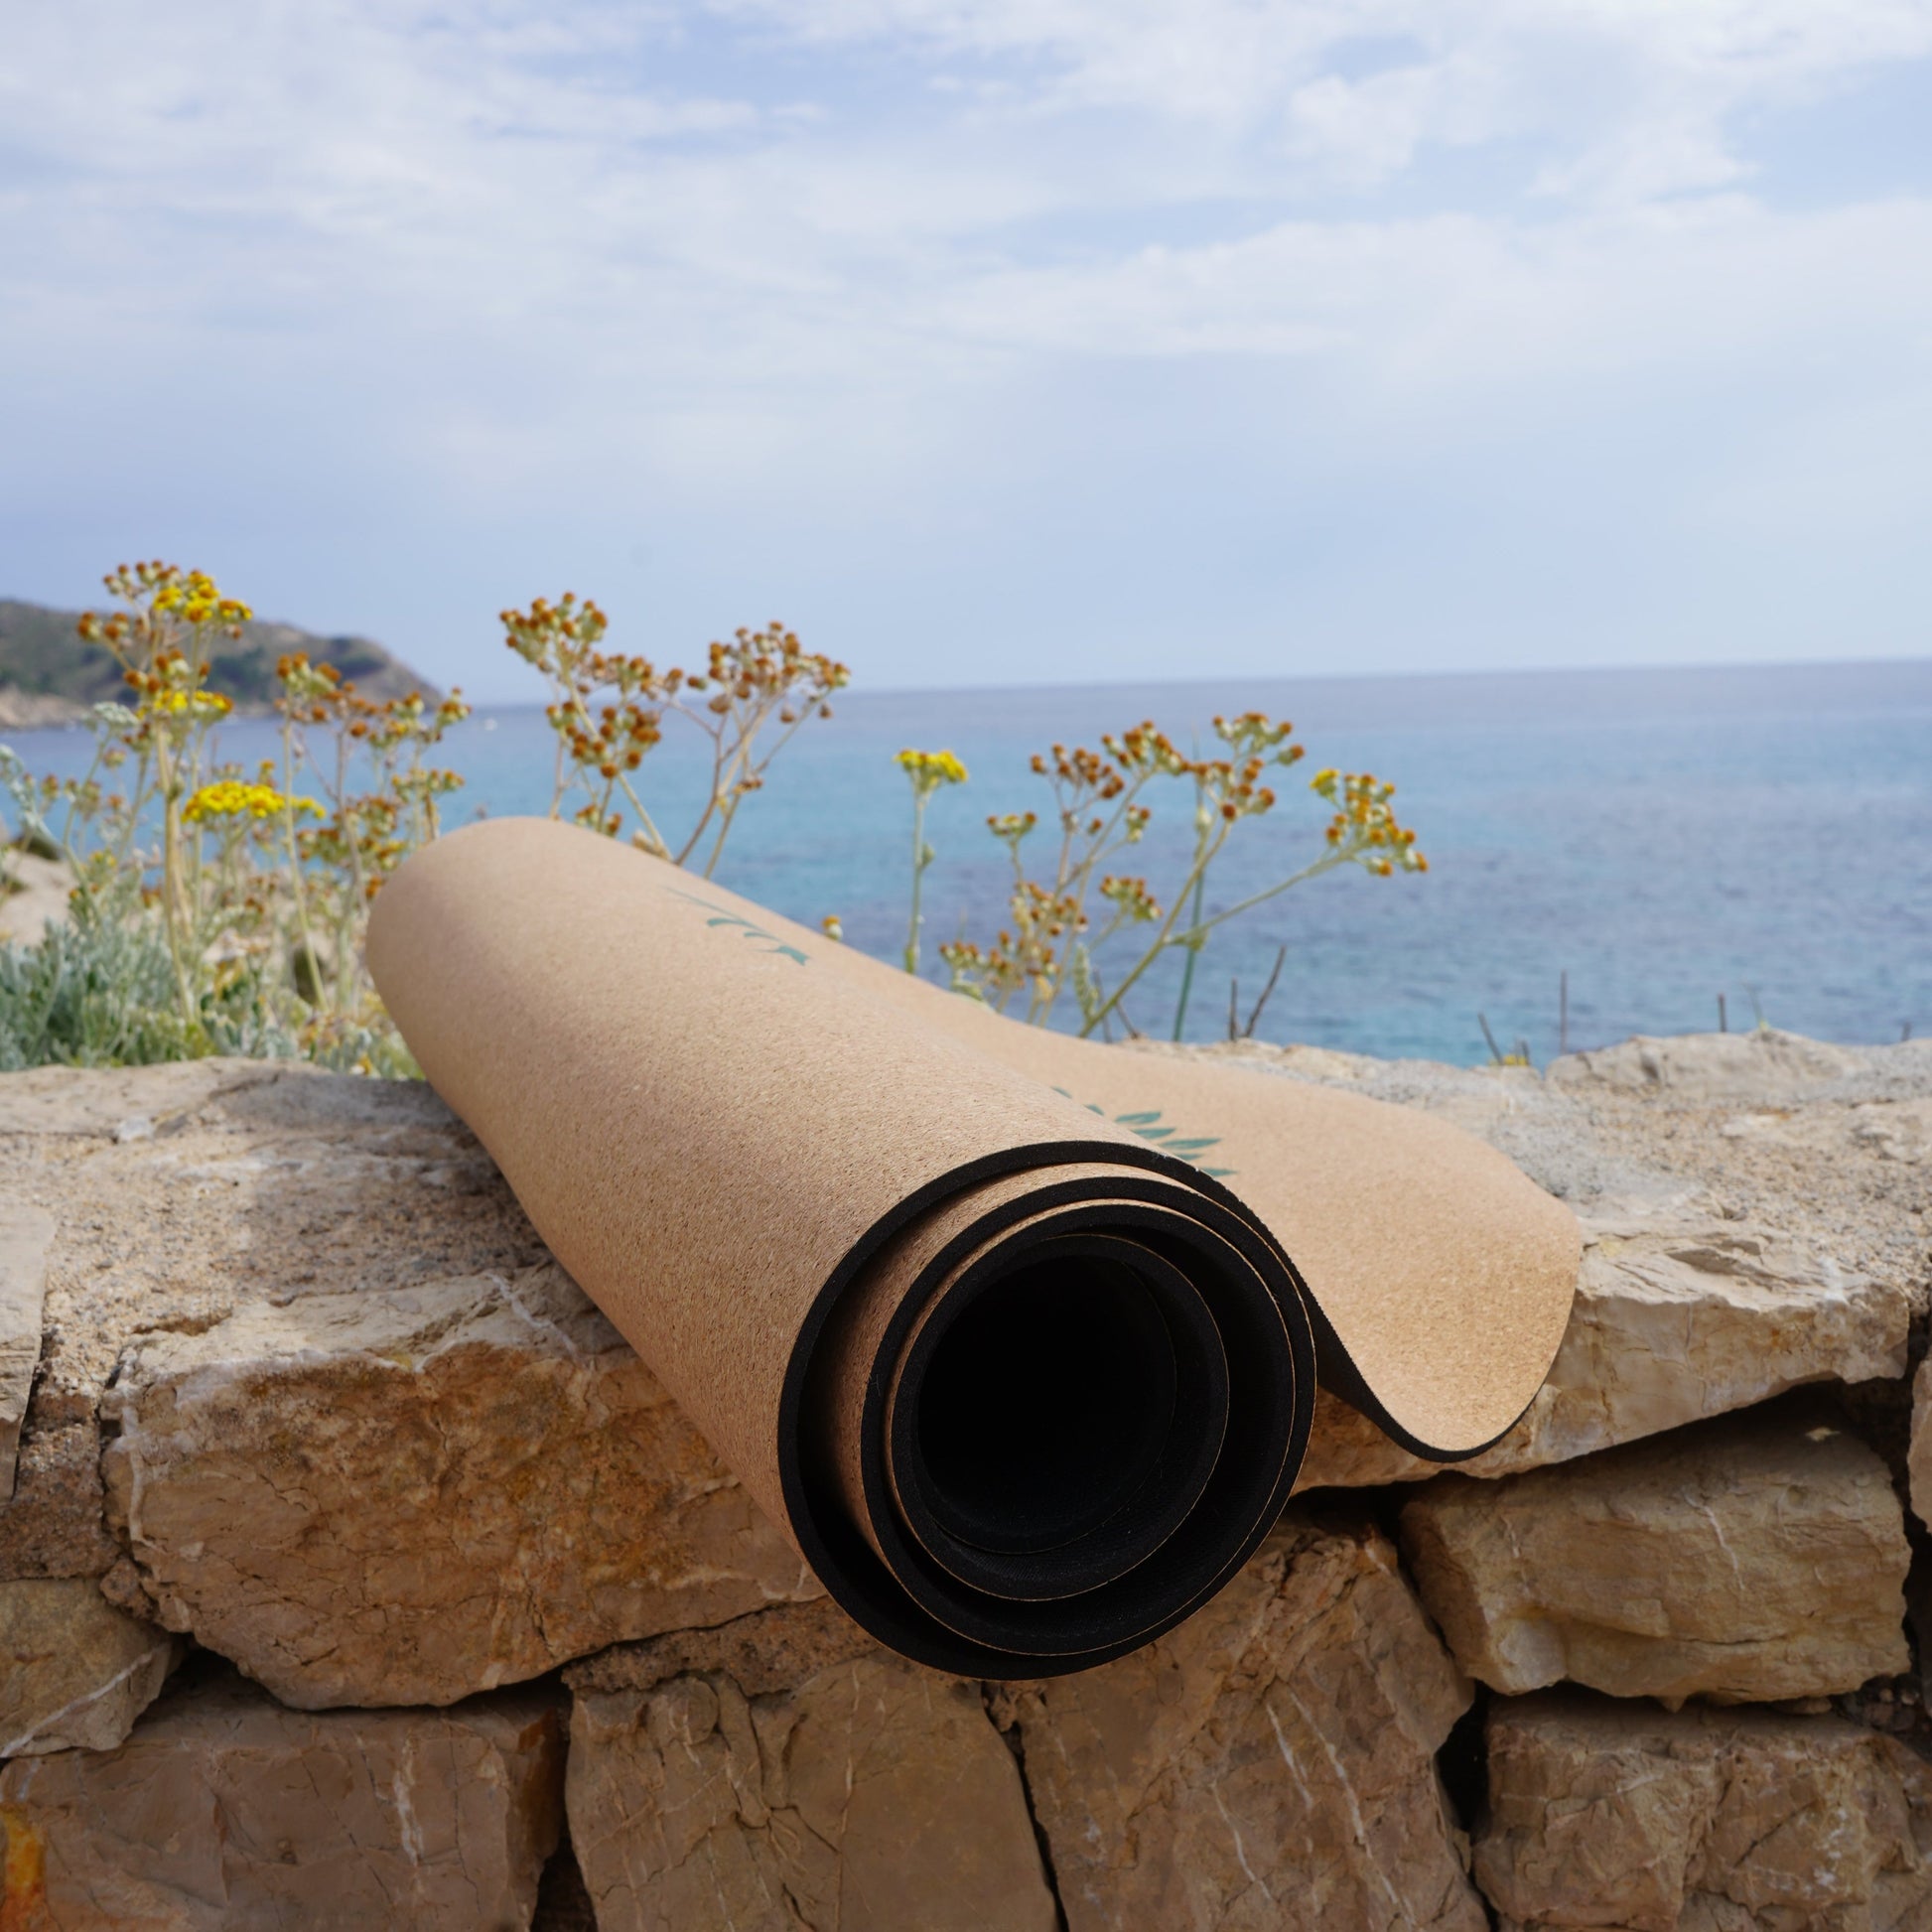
(838, 1554)
(1548, 1248)
(1342, 1379)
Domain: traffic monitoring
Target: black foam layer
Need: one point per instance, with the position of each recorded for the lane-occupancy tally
(1160, 1521)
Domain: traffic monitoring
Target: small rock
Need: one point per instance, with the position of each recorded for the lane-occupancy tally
(121, 1586)
(763, 1780)
(1620, 1815)
(1271, 1762)
(225, 1813)
(1735, 1561)
(74, 1671)
(1896, 1130)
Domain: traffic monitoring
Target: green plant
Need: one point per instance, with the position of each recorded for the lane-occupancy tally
(241, 879)
(101, 991)
(379, 802)
(1061, 922)
(18, 784)
(223, 910)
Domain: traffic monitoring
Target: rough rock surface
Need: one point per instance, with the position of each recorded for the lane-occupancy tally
(1623, 1816)
(365, 1437)
(407, 1498)
(244, 1249)
(1762, 1065)
(1268, 1763)
(782, 1773)
(1736, 1559)
(769, 1650)
(225, 1813)
(1756, 1211)
(74, 1671)
(56, 1523)
(177, 1192)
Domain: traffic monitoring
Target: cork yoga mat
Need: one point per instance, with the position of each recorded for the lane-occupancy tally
(1017, 1334)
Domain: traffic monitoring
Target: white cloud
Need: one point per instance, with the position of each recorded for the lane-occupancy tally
(833, 264)
(1638, 90)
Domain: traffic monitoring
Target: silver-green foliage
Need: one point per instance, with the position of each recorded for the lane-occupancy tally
(102, 993)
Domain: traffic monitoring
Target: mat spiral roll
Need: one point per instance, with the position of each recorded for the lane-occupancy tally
(1023, 1377)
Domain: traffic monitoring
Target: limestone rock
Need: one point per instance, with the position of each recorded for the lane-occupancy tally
(1270, 1762)
(225, 1813)
(54, 1524)
(768, 1651)
(1762, 1064)
(405, 1499)
(784, 1773)
(366, 1439)
(1677, 1318)
(1735, 1561)
(74, 1671)
(26, 1233)
(69, 1102)
(1730, 1255)
(1620, 1815)
(203, 1212)
(183, 1191)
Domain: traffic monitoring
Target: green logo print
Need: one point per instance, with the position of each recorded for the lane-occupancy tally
(1148, 1125)
(751, 932)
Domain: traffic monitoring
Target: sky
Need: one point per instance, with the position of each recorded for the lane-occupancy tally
(985, 342)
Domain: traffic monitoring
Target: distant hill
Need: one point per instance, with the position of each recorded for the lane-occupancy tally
(49, 676)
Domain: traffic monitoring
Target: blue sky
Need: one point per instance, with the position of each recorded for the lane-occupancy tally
(986, 340)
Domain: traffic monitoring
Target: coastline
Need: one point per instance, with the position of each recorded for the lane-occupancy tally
(37, 709)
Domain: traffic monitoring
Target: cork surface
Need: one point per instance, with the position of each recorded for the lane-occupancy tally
(772, 1159)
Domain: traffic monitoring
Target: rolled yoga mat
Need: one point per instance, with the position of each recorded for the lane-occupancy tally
(1015, 1335)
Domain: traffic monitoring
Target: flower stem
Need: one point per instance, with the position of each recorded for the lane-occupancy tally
(1194, 946)
(918, 880)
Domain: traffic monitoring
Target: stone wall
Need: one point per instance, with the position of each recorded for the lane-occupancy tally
(354, 1573)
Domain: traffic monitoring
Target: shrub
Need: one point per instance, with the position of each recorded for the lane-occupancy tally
(218, 909)
(1061, 921)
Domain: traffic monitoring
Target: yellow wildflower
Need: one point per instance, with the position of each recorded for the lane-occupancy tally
(231, 798)
(931, 770)
(192, 596)
(200, 704)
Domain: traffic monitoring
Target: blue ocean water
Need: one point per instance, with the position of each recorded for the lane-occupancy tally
(1660, 836)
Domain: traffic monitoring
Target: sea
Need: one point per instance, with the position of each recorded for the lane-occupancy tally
(1611, 852)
